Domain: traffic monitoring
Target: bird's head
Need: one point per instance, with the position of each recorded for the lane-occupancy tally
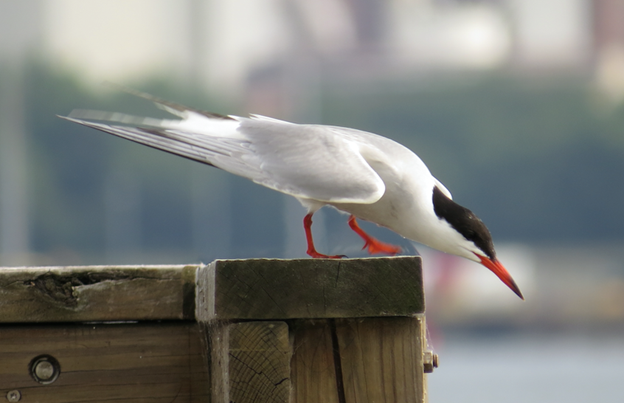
(474, 241)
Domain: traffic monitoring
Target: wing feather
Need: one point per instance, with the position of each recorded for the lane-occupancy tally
(305, 161)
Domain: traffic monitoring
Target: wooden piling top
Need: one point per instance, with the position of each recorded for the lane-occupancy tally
(269, 289)
(262, 289)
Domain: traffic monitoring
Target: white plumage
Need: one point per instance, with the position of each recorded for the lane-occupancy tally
(364, 174)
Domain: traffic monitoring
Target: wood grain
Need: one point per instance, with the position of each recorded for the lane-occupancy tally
(312, 366)
(105, 362)
(267, 289)
(382, 359)
(96, 293)
(310, 330)
(259, 362)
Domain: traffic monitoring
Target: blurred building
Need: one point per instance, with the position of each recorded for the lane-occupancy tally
(608, 47)
(222, 43)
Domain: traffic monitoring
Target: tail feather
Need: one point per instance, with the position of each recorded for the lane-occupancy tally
(171, 107)
(150, 137)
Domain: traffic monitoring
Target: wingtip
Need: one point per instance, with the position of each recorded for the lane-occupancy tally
(68, 118)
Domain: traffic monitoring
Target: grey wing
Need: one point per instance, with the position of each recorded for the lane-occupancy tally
(311, 161)
(305, 161)
(187, 145)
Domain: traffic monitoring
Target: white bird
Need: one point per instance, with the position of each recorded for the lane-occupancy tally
(366, 175)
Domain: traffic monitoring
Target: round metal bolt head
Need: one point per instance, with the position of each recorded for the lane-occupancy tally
(45, 369)
(14, 395)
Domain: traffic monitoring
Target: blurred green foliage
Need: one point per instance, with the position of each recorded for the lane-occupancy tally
(537, 161)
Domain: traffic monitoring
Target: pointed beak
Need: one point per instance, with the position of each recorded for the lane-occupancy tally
(497, 268)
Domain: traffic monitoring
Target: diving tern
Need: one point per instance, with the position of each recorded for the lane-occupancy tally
(363, 174)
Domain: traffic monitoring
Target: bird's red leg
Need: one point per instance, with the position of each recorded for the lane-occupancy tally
(373, 245)
(307, 225)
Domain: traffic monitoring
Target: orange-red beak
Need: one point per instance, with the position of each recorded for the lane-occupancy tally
(497, 268)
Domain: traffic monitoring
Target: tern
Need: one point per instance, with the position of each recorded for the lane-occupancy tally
(368, 176)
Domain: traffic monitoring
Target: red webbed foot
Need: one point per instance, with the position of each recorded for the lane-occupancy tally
(374, 246)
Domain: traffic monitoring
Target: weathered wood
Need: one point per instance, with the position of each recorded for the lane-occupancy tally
(313, 369)
(267, 289)
(259, 362)
(96, 293)
(216, 342)
(237, 289)
(352, 331)
(105, 362)
(382, 359)
(249, 361)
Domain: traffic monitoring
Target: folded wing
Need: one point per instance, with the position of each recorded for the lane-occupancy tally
(305, 161)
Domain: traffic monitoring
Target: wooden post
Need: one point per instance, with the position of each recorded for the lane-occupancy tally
(259, 330)
(356, 328)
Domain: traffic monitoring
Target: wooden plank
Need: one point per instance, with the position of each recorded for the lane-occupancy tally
(216, 340)
(96, 293)
(313, 370)
(259, 362)
(382, 359)
(268, 289)
(107, 362)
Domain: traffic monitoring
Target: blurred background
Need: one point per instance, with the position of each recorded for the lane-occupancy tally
(517, 106)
